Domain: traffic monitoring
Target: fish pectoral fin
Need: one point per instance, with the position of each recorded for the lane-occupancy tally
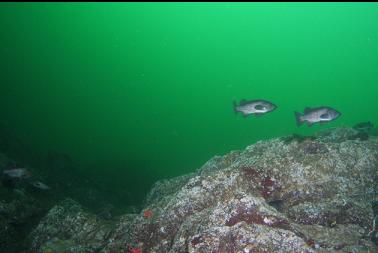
(309, 124)
(258, 114)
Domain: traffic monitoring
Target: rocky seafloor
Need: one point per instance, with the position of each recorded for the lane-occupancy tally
(291, 194)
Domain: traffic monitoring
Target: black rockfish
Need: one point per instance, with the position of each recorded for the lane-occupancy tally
(255, 107)
(314, 115)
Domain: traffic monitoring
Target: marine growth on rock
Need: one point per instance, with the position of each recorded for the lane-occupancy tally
(274, 196)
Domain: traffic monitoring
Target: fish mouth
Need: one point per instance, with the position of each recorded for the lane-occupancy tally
(274, 107)
(338, 114)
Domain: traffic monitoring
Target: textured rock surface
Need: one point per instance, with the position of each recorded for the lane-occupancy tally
(19, 212)
(282, 195)
(67, 228)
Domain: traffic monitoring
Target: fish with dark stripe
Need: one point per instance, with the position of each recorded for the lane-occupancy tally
(316, 115)
(256, 107)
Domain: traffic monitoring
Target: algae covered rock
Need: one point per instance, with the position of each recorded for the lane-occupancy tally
(165, 188)
(280, 195)
(17, 218)
(19, 213)
(67, 228)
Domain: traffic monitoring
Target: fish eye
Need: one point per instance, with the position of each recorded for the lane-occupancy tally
(260, 107)
(324, 116)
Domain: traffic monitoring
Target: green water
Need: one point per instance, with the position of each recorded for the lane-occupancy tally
(136, 92)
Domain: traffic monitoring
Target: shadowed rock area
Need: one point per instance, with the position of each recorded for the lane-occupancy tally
(281, 195)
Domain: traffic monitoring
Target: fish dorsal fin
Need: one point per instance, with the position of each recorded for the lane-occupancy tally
(243, 101)
(307, 109)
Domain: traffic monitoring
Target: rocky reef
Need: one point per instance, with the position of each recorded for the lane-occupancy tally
(281, 195)
(23, 202)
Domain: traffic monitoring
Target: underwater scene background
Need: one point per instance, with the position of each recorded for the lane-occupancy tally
(116, 96)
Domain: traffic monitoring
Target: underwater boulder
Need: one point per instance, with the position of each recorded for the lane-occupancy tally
(17, 218)
(275, 196)
(68, 228)
(166, 187)
(338, 134)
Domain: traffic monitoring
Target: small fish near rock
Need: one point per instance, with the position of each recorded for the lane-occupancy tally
(40, 185)
(17, 173)
(254, 107)
(363, 126)
(316, 115)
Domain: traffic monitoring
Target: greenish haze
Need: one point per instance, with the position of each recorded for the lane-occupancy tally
(140, 91)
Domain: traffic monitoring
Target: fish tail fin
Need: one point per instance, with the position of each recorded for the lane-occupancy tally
(298, 118)
(235, 105)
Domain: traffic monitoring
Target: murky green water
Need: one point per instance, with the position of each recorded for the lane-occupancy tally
(138, 92)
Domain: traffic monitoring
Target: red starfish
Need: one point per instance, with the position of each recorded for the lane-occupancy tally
(135, 250)
(147, 214)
